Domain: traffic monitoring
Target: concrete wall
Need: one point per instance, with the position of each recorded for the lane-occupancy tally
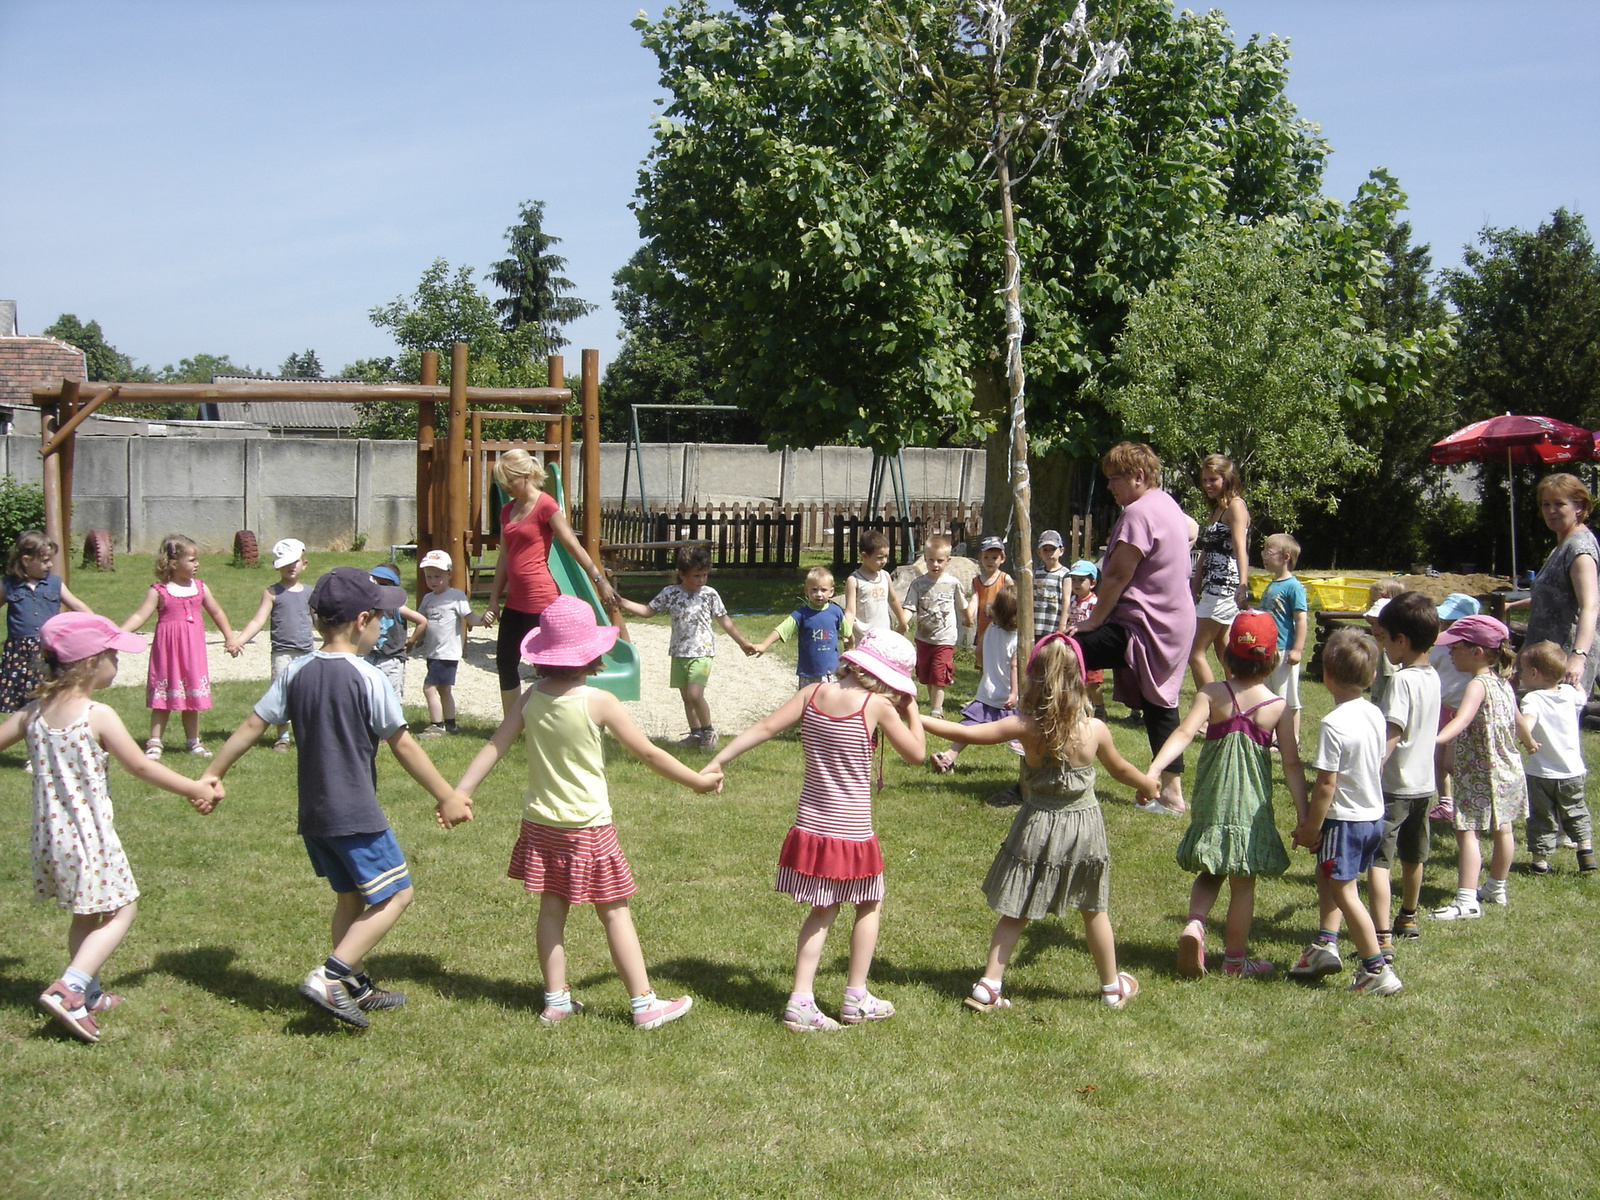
(325, 491)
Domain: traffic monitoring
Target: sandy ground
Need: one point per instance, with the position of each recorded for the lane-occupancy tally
(742, 690)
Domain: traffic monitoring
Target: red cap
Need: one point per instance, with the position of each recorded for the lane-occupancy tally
(1254, 634)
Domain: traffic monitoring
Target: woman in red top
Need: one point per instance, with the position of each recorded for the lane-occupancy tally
(528, 526)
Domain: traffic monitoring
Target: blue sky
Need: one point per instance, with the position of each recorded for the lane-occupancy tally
(251, 178)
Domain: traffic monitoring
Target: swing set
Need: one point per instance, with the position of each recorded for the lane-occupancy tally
(454, 464)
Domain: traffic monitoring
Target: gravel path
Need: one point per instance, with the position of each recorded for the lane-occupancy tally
(742, 690)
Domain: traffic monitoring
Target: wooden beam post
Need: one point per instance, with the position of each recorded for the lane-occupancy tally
(591, 454)
(51, 481)
(67, 453)
(456, 469)
(427, 454)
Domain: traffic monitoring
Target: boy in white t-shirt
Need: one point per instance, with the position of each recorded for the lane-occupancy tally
(1405, 630)
(440, 641)
(1452, 685)
(1557, 775)
(1343, 818)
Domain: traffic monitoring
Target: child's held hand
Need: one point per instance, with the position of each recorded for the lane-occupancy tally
(453, 809)
(710, 779)
(1306, 835)
(750, 651)
(205, 793)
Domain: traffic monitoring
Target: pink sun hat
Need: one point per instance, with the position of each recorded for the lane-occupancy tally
(74, 636)
(567, 635)
(887, 657)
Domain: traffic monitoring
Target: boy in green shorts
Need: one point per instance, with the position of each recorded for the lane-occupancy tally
(694, 604)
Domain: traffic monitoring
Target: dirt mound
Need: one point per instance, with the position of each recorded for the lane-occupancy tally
(1437, 587)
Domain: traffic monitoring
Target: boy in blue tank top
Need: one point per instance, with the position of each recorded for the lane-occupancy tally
(817, 625)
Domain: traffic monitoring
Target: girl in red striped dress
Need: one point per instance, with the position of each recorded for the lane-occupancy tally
(567, 850)
(831, 856)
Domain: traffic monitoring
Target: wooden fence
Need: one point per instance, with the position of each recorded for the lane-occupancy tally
(771, 536)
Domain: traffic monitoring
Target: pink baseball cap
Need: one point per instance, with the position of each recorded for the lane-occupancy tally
(567, 635)
(887, 657)
(1480, 629)
(75, 636)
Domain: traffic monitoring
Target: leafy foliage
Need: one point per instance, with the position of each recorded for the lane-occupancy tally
(1530, 322)
(838, 263)
(301, 366)
(532, 280)
(102, 361)
(21, 508)
(1243, 352)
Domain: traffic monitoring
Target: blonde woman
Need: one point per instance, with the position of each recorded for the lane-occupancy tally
(529, 525)
(1221, 580)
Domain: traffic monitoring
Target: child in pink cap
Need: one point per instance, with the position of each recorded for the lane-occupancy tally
(830, 856)
(77, 857)
(567, 850)
(1491, 791)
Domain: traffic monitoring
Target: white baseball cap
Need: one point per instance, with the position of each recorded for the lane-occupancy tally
(436, 558)
(287, 551)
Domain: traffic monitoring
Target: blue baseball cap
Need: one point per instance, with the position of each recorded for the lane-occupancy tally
(1084, 567)
(1457, 605)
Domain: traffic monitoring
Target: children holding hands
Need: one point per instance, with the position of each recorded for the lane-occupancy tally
(445, 612)
(1491, 790)
(1343, 821)
(940, 604)
(567, 850)
(1557, 775)
(831, 856)
(287, 606)
(1231, 832)
(997, 678)
(1405, 631)
(341, 708)
(819, 627)
(78, 860)
(869, 599)
(1055, 856)
(694, 604)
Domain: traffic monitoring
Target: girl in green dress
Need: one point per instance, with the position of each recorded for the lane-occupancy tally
(1232, 833)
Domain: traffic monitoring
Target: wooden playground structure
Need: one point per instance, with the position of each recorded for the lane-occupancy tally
(454, 460)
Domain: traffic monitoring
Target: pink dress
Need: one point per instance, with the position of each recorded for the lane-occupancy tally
(179, 678)
(831, 854)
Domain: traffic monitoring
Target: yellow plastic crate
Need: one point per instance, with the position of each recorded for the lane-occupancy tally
(1340, 593)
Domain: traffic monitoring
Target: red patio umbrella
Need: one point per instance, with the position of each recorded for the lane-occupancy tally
(1535, 441)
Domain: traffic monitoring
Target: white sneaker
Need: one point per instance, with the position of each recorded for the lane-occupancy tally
(1456, 911)
(334, 997)
(1384, 983)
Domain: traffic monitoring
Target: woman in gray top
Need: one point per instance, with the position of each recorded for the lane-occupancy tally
(1565, 599)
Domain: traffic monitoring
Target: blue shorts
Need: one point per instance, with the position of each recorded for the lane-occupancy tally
(441, 672)
(1348, 848)
(368, 863)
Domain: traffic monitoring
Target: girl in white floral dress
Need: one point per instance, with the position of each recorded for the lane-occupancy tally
(1491, 790)
(77, 857)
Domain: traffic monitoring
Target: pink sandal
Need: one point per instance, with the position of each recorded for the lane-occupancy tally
(1118, 994)
(943, 762)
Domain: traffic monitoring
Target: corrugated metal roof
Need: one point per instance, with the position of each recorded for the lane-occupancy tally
(308, 415)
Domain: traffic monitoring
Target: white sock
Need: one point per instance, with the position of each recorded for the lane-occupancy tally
(1466, 898)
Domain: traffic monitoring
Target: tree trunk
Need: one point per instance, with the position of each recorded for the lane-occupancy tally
(989, 402)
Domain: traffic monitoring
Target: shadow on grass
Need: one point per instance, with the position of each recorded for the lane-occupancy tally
(428, 971)
(722, 983)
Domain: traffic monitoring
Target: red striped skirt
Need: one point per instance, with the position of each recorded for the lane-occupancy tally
(825, 871)
(582, 866)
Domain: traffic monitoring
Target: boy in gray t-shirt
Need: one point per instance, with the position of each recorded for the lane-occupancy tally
(938, 604)
(439, 641)
(342, 708)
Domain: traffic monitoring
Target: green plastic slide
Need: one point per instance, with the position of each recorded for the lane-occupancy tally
(619, 673)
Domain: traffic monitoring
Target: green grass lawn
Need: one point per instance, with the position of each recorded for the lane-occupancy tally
(215, 1079)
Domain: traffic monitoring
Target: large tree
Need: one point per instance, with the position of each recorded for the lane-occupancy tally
(1530, 322)
(842, 269)
(102, 361)
(536, 291)
(1244, 351)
